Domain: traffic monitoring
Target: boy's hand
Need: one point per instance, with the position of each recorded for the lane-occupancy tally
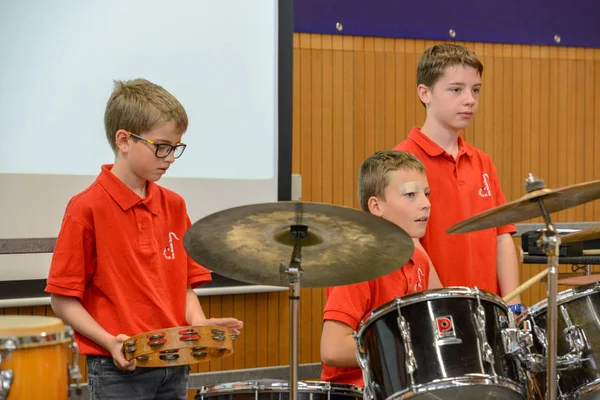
(116, 351)
(233, 323)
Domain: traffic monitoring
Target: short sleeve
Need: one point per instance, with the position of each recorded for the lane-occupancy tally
(73, 260)
(348, 304)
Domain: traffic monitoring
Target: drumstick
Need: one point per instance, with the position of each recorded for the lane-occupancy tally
(526, 285)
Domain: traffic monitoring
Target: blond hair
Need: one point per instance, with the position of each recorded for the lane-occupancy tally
(138, 106)
(434, 60)
(373, 174)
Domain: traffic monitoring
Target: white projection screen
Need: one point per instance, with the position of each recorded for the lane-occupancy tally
(220, 58)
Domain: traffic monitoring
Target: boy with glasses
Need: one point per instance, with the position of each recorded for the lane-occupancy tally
(119, 267)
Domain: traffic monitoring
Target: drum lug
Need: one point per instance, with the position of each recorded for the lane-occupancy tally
(577, 344)
(517, 343)
(486, 350)
(516, 340)
(368, 393)
(6, 377)
(411, 361)
(511, 342)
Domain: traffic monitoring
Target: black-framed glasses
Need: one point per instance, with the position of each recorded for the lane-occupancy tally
(163, 149)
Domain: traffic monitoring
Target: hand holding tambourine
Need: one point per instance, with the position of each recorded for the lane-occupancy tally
(179, 346)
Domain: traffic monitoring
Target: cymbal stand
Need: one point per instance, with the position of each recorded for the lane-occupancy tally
(549, 242)
(294, 271)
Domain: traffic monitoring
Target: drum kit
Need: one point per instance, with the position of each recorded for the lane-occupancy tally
(449, 343)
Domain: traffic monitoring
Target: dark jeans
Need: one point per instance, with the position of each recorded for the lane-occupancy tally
(106, 381)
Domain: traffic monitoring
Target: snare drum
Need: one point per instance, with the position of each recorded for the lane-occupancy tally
(270, 389)
(439, 344)
(577, 340)
(34, 354)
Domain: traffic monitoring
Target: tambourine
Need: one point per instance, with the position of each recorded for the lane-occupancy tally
(179, 346)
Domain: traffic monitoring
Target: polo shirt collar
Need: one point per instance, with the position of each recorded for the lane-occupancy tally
(124, 196)
(432, 148)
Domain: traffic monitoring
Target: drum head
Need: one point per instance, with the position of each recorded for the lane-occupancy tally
(29, 325)
(563, 297)
(444, 294)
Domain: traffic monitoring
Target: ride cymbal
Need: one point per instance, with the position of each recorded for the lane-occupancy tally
(339, 245)
(527, 207)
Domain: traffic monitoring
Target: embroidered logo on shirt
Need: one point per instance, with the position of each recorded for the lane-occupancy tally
(169, 252)
(418, 286)
(485, 190)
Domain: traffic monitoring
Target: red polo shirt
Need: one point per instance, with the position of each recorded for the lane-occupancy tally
(123, 257)
(460, 189)
(350, 304)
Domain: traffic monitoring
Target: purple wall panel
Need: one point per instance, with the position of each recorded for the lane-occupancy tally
(576, 22)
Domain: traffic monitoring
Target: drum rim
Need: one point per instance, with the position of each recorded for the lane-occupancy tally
(562, 298)
(583, 390)
(276, 385)
(447, 383)
(458, 292)
(43, 339)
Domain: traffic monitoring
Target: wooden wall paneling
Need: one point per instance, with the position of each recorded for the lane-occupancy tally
(561, 132)
(579, 127)
(251, 330)
(525, 103)
(411, 100)
(369, 103)
(306, 143)
(498, 119)
(390, 94)
(505, 113)
(486, 111)
(316, 324)
(556, 90)
(514, 173)
(304, 328)
(589, 142)
(542, 141)
(349, 174)
(477, 127)
(296, 137)
(596, 118)
(327, 168)
(272, 324)
(338, 120)
(284, 328)
(262, 333)
(403, 126)
(316, 118)
(380, 90)
(359, 90)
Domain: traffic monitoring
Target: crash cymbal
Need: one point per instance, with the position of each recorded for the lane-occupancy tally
(341, 245)
(593, 232)
(527, 207)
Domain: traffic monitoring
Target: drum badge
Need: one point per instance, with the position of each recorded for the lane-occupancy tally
(445, 327)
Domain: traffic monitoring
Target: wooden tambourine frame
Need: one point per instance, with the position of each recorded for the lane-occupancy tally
(179, 346)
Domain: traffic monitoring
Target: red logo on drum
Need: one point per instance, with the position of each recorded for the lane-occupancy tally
(445, 327)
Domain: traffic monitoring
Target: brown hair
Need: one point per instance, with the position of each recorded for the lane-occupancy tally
(138, 106)
(373, 174)
(434, 60)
